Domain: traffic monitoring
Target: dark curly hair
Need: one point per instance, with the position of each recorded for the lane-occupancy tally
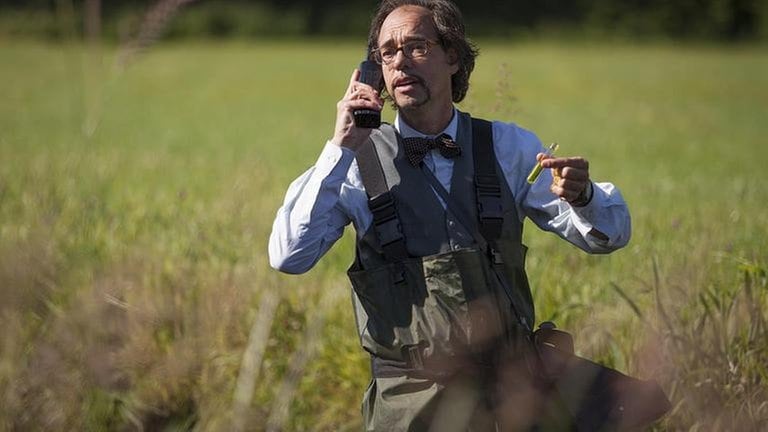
(450, 30)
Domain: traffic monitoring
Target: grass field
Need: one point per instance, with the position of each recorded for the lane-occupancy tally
(135, 207)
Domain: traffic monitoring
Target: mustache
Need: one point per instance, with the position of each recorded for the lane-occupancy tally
(414, 77)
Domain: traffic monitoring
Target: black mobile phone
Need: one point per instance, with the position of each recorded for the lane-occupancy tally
(370, 73)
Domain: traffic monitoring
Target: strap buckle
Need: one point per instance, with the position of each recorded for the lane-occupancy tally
(488, 197)
(495, 256)
(385, 220)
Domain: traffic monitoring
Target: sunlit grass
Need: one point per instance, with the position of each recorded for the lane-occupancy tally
(133, 258)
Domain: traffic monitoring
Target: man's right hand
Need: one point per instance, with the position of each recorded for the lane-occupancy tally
(358, 96)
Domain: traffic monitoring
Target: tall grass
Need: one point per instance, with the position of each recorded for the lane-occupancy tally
(132, 259)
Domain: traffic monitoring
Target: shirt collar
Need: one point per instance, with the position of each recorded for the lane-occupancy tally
(407, 131)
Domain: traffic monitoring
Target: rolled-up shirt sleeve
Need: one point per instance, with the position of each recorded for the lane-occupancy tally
(601, 226)
(330, 195)
(314, 212)
(608, 214)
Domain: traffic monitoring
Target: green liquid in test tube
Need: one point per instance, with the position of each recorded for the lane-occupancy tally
(537, 169)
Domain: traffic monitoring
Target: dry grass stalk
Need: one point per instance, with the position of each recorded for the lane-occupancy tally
(93, 77)
(708, 348)
(252, 358)
(307, 349)
(505, 103)
(96, 86)
(152, 27)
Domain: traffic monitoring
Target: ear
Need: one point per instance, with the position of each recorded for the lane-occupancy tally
(453, 60)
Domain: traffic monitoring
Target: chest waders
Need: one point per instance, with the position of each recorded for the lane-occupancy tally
(440, 305)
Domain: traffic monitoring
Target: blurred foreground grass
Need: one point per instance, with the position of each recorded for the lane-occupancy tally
(135, 208)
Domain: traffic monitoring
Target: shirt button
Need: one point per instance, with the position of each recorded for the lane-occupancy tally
(451, 224)
(456, 247)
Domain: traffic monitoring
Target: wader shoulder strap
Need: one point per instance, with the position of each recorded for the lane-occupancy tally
(381, 203)
(487, 187)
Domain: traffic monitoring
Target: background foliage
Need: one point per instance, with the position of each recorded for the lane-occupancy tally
(724, 20)
(135, 206)
(138, 185)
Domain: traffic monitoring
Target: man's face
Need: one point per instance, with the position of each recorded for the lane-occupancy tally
(418, 83)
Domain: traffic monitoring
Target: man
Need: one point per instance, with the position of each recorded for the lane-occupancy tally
(441, 297)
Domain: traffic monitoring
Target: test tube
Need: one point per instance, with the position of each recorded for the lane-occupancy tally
(537, 169)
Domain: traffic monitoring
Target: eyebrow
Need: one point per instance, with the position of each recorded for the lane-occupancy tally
(411, 38)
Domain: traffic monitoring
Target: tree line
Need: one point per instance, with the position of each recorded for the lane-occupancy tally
(678, 19)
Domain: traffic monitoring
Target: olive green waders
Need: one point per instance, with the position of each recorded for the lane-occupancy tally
(444, 318)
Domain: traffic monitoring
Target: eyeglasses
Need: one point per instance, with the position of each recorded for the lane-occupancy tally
(411, 49)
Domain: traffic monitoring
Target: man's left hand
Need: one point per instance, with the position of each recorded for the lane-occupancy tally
(570, 176)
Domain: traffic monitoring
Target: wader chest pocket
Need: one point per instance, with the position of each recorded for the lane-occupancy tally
(431, 308)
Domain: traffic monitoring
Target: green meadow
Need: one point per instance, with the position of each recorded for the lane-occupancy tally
(136, 201)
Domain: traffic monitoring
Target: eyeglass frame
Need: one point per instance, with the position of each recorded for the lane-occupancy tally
(376, 53)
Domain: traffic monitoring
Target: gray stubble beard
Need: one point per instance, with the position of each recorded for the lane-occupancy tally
(427, 98)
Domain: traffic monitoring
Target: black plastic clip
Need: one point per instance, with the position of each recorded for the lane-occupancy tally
(489, 204)
(495, 256)
(385, 220)
(398, 275)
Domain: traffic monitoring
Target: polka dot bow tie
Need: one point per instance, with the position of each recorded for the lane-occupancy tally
(417, 148)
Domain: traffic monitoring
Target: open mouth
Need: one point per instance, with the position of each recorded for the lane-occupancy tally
(406, 82)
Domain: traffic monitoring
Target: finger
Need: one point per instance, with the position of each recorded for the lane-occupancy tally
(557, 190)
(356, 104)
(366, 87)
(363, 95)
(563, 193)
(566, 183)
(353, 81)
(576, 162)
(574, 174)
(572, 186)
(557, 173)
(364, 92)
(368, 93)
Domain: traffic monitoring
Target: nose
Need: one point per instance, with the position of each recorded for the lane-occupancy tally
(399, 60)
